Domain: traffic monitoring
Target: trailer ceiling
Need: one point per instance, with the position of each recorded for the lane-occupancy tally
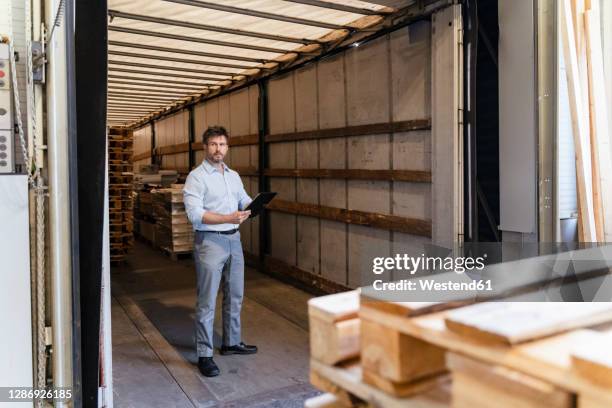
(164, 53)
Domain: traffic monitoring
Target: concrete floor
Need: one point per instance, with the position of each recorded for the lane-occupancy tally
(154, 361)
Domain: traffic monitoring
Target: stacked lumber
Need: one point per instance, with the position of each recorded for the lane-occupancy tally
(337, 355)
(144, 221)
(582, 50)
(173, 231)
(517, 354)
(120, 193)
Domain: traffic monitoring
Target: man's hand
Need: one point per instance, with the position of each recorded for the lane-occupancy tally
(238, 217)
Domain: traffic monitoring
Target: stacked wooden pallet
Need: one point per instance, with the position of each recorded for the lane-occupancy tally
(173, 232)
(510, 354)
(120, 193)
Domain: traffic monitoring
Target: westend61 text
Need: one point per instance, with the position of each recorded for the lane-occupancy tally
(432, 285)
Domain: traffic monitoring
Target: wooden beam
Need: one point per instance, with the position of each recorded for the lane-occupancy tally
(580, 125)
(141, 156)
(361, 130)
(234, 141)
(246, 170)
(416, 176)
(172, 149)
(383, 221)
(286, 272)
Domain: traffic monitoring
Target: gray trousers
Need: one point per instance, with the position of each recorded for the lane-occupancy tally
(219, 260)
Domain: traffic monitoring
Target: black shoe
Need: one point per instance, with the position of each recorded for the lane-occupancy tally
(238, 349)
(207, 367)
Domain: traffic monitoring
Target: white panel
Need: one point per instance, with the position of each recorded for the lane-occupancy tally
(517, 125)
(566, 160)
(411, 71)
(447, 141)
(17, 12)
(367, 83)
(15, 302)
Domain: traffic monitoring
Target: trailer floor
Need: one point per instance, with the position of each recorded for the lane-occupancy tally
(154, 360)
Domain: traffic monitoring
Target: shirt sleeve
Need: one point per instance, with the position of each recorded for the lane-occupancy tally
(243, 198)
(193, 198)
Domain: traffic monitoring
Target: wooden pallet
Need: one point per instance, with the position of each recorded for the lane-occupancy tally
(529, 361)
(176, 255)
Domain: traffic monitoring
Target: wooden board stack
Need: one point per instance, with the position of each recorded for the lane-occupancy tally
(144, 221)
(120, 193)
(173, 231)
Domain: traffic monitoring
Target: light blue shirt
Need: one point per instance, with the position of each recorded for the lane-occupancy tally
(207, 189)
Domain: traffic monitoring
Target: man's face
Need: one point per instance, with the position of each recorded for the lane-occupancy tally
(216, 149)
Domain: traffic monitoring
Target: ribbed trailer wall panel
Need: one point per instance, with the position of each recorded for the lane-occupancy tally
(349, 152)
(384, 81)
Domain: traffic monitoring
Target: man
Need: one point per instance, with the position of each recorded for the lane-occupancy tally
(214, 200)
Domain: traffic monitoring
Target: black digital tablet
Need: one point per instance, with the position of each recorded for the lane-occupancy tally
(259, 202)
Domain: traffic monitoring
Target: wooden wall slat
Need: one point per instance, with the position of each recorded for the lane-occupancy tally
(382, 221)
(415, 176)
(141, 156)
(172, 149)
(285, 271)
(359, 130)
(234, 141)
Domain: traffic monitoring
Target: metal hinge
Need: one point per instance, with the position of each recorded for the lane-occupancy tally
(48, 336)
(39, 58)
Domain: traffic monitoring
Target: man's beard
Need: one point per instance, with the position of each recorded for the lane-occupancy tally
(216, 158)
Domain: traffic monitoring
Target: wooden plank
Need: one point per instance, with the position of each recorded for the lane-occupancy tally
(233, 141)
(405, 389)
(327, 400)
(336, 307)
(284, 271)
(360, 130)
(382, 221)
(416, 176)
(348, 379)
(395, 357)
(600, 126)
(593, 360)
(580, 125)
(588, 401)
(324, 384)
(516, 322)
(172, 149)
(406, 309)
(141, 156)
(245, 170)
(476, 384)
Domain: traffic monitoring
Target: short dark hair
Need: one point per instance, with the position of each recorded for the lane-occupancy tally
(214, 131)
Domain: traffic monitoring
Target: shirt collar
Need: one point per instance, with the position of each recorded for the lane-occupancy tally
(210, 168)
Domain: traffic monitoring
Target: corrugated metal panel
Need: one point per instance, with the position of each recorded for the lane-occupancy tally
(156, 45)
(17, 15)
